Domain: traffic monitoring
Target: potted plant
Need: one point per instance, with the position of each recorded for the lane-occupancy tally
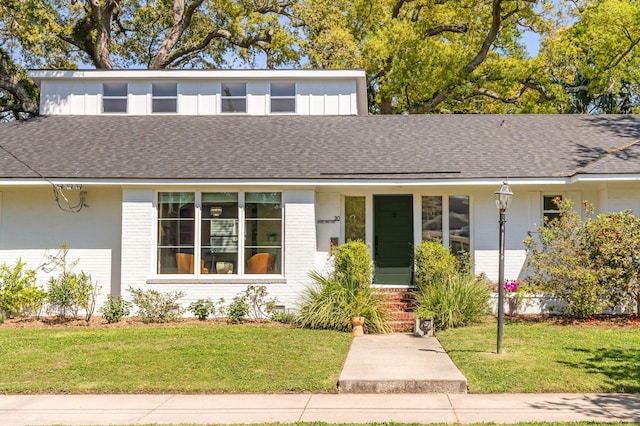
(423, 325)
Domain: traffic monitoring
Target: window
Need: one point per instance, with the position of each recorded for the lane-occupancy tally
(456, 214)
(219, 232)
(550, 209)
(283, 97)
(176, 225)
(234, 97)
(164, 97)
(114, 97)
(263, 232)
(220, 244)
(459, 236)
(354, 223)
(431, 218)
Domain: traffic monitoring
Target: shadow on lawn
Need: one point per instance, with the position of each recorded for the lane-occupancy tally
(619, 366)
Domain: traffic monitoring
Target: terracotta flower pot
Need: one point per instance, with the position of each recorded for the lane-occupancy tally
(358, 323)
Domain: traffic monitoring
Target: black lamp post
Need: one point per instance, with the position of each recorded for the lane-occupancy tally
(503, 201)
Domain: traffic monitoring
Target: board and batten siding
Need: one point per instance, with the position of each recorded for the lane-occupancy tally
(199, 97)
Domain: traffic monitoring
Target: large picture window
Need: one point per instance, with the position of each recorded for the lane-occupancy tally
(221, 244)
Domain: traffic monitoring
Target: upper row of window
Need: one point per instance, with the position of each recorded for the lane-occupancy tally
(164, 97)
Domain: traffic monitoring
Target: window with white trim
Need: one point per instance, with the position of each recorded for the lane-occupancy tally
(234, 97)
(457, 215)
(164, 98)
(231, 233)
(283, 98)
(114, 98)
(550, 208)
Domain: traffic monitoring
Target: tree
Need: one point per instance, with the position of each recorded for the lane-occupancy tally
(18, 94)
(431, 55)
(596, 58)
(153, 34)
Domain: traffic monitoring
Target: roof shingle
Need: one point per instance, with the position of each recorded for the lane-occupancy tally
(326, 147)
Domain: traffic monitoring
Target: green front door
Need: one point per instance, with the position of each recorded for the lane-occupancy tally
(393, 239)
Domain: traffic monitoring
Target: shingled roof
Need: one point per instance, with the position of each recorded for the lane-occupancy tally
(410, 147)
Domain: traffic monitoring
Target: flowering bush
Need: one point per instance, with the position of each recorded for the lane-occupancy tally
(591, 263)
(511, 286)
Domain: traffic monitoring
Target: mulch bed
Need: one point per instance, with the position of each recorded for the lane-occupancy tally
(601, 320)
(100, 322)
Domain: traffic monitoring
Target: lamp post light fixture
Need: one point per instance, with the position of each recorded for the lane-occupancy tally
(503, 200)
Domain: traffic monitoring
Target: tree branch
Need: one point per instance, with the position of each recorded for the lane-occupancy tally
(22, 89)
(446, 28)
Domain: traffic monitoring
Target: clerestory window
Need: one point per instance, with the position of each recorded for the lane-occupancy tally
(114, 98)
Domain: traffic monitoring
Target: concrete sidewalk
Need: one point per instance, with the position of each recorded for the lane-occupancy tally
(332, 408)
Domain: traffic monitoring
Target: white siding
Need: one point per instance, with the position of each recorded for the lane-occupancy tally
(623, 198)
(198, 96)
(328, 206)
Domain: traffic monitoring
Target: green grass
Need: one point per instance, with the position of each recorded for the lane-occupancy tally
(543, 357)
(170, 358)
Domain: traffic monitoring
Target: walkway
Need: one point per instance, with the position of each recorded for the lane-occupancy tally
(332, 408)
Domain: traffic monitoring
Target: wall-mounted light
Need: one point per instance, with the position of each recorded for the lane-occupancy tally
(216, 211)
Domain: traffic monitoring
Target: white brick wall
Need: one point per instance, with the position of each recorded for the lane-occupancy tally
(138, 242)
(137, 237)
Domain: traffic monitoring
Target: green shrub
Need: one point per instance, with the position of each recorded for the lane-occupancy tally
(590, 263)
(13, 282)
(352, 264)
(3, 317)
(330, 302)
(31, 300)
(434, 263)
(202, 308)
(70, 292)
(283, 317)
(455, 302)
(238, 310)
(115, 310)
(154, 306)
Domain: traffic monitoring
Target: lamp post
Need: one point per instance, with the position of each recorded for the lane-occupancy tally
(503, 200)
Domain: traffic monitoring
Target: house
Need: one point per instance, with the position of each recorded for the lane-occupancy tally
(208, 181)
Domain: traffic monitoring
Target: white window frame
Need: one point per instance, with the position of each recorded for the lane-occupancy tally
(197, 249)
(550, 211)
(161, 97)
(224, 97)
(446, 214)
(112, 97)
(293, 97)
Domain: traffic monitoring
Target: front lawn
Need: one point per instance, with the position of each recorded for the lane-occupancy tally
(547, 357)
(170, 358)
